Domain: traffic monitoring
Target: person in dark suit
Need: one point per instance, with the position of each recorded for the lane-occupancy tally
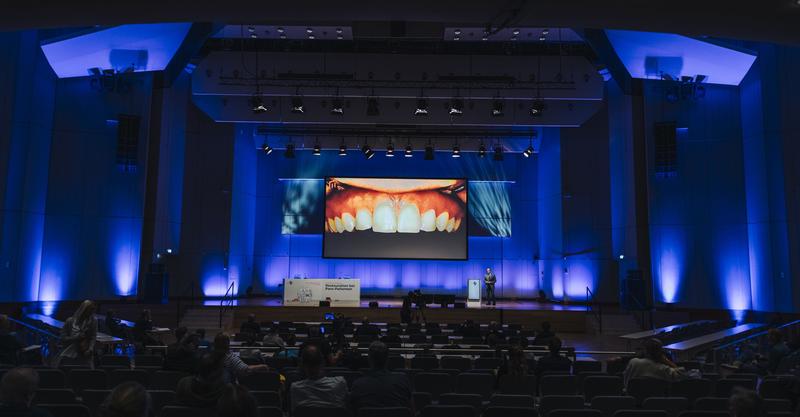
(489, 280)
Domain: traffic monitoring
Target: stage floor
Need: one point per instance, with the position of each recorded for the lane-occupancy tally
(397, 303)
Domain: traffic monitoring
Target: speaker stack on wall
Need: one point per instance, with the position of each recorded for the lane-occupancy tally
(156, 285)
(634, 291)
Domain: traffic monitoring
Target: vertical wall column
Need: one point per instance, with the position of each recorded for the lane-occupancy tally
(26, 119)
(551, 249)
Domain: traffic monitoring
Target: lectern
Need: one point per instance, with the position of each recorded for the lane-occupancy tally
(473, 293)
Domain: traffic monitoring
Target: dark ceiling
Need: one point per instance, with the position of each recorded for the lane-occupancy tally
(762, 20)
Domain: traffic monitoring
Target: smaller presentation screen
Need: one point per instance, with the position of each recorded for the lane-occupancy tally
(394, 218)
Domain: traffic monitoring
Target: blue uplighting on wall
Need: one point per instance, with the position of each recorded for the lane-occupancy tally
(140, 47)
(649, 54)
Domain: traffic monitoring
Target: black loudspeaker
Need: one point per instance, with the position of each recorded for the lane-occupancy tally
(128, 142)
(373, 304)
(325, 303)
(666, 150)
(634, 291)
(460, 305)
(156, 288)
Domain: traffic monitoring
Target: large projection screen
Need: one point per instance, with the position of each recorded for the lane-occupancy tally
(395, 218)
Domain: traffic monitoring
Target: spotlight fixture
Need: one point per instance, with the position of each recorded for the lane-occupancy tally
(251, 29)
(422, 108)
(429, 152)
(266, 148)
(497, 108)
(367, 151)
(482, 150)
(545, 32)
(515, 32)
(498, 152)
(337, 107)
(537, 107)
(297, 105)
(342, 149)
(281, 30)
(456, 107)
(309, 30)
(289, 152)
(317, 149)
(311, 37)
(257, 104)
(390, 150)
(409, 151)
(456, 151)
(528, 152)
(339, 31)
(372, 107)
(457, 32)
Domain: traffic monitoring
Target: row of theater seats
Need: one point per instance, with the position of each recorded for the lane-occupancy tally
(437, 383)
(448, 405)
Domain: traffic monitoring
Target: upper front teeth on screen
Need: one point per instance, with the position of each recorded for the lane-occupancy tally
(384, 219)
(441, 221)
(363, 219)
(408, 221)
(348, 221)
(428, 221)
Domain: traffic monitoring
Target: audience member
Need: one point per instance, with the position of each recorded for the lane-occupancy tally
(553, 361)
(515, 363)
(470, 329)
(273, 339)
(791, 362)
(9, 344)
(233, 365)
(206, 386)
(745, 403)
(201, 338)
(367, 328)
(405, 311)
(79, 335)
(236, 401)
(182, 355)
(317, 390)
(128, 399)
(544, 335)
(654, 364)
(778, 349)
(316, 338)
(392, 337)
(250, 326)
(379, 387)
(113, 325)
(17, 389)
(142, 328)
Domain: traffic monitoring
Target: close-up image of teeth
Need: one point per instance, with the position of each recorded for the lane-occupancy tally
(374, 215)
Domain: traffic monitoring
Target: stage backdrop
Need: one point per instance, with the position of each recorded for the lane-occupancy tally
(289, 226)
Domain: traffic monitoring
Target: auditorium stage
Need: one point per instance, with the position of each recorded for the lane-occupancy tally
(530, 314)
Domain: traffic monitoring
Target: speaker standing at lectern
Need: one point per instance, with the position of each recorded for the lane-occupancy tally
(489, 280)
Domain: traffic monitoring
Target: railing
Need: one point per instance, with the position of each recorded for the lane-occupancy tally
(227, 301)
(598, 312)
(756, 342)
(181, 310)
(36, 336)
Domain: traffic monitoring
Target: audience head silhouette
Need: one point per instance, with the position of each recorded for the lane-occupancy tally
(222, 343)
(18, 387)
(378, 355)
(129, 399)
(312, 361)
(653, 349)
(554, 345)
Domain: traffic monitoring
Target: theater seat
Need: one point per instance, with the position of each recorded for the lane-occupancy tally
(178, 411)
(448, 411)
(384, 412)
(510, 412)
(66, 410)
(610, 405)
(672, 405)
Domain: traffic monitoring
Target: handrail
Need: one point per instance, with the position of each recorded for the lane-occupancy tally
(599, 313)
(46, 341)
(716, 351)
(227, 298)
